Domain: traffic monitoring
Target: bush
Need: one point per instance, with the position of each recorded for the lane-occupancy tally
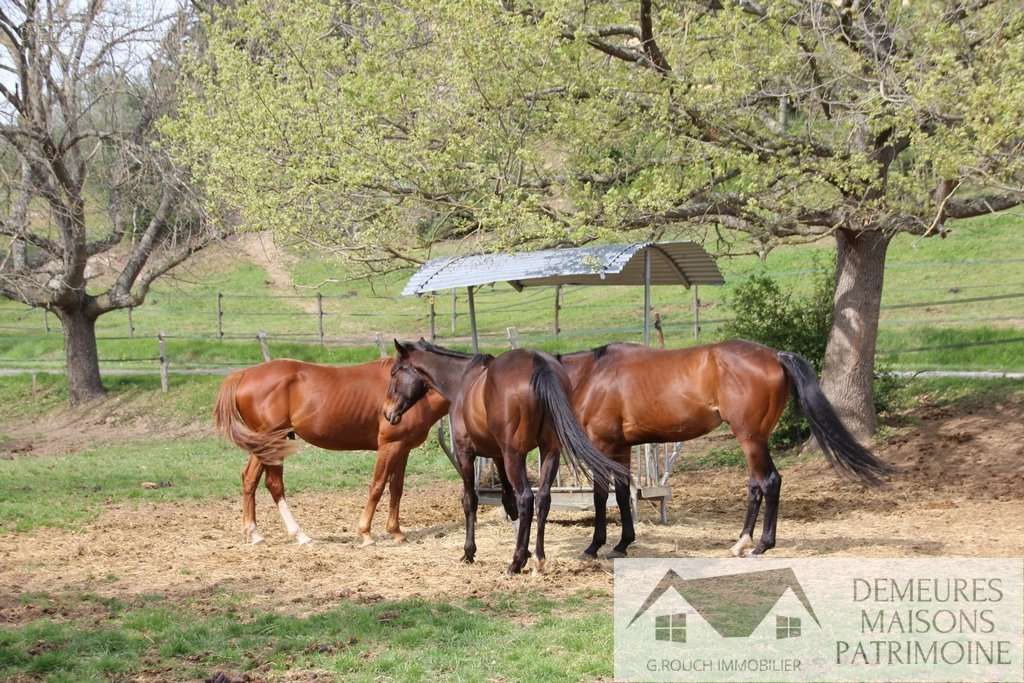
(766, 314)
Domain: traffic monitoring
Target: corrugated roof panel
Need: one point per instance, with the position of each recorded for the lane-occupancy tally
(611, 264)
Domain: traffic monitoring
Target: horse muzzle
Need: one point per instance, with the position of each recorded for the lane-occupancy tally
(393, 415)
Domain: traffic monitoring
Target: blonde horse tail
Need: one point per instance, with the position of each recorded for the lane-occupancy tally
(271, 447)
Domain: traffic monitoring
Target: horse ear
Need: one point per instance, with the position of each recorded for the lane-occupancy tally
(402, 351)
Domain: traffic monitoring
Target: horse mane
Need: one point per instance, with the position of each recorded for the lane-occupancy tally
(475, 358)
(598, 352)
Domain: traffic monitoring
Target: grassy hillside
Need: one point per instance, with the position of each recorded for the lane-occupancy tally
(957, 302)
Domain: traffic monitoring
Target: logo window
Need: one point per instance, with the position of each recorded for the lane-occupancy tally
(670, 628)
(787, 627)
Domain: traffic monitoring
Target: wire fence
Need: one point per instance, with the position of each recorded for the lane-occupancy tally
(546, 317)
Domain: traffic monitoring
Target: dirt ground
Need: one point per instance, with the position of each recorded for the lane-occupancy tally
(960, 491)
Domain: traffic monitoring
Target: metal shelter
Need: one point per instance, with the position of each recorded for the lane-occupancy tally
(646, 264)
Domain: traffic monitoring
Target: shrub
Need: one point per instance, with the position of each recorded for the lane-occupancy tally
(767, 314)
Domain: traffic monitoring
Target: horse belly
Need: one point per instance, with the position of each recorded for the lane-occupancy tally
(667, 421)
(366, 441)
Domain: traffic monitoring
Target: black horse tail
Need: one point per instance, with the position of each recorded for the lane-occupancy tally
(840, 447)
(578, 449)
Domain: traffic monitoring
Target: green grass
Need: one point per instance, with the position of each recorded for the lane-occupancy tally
(509, 637)
(69, 490)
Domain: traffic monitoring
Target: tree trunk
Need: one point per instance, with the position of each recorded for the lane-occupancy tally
(849, 368)
(83, 365)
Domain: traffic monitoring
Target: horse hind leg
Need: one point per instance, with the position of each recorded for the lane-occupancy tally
(623, 499)
(515, 466)
(275, 484)
(548, 470)
(764, 483)
(251, 475)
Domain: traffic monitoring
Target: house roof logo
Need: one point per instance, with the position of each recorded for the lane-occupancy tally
(733, 604)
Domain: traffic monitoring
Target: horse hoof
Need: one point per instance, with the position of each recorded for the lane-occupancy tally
(588, 557)
(302, 539)
(367, 541)
(538, 568)
(741, 546)
(399, 538)
(615, 554)
(467, 559)
(255, 538)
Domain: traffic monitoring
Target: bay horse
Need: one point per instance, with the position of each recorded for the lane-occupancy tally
(627, 394)
(503, 408)
(263, 409)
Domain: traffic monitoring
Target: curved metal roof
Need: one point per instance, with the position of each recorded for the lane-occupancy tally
(672, 263)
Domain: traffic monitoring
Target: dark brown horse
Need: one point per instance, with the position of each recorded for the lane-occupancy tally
(263, 408)
(626, 394)
(503, 408)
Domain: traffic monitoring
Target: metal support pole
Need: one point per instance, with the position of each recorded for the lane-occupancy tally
(455, 313)
(696, 313)
(647, 297)
(220, 315)
(472, 320)
(131, 325)
(513, 337)
(46, 320)
(320, 315)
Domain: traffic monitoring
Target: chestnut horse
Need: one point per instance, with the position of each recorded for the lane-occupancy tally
(503, 408)
(626, 394)
(263, 408)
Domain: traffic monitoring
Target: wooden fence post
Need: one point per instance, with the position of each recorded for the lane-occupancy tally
(558, 309)
(433, 319)
(659, 330)
(163, 362)
(378, 338)
(46, 320)
(455, 312)
(320, 315)
(131, 325)
(513, 337)
(264, 346)
(220, 315)
(696, 313)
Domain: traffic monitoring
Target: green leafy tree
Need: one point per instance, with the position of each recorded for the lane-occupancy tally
(385, 127)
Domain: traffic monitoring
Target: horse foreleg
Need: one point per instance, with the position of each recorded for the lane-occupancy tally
(275, 484)
(469, 504)
(251, 475)
(380, 473)
(548, 470)
(396, 482)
